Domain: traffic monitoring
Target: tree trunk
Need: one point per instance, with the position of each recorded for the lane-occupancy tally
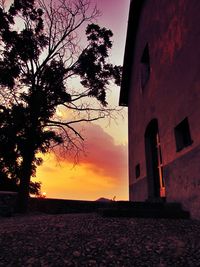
(25, 177)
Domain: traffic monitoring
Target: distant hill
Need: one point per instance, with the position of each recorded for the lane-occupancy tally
(103, 199)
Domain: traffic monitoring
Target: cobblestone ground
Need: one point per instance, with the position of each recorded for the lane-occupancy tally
(90, 240)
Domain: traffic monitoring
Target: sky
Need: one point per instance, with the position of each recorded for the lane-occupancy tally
(103, 170)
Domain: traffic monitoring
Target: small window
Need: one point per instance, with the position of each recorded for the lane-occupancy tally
(145, 67)
(137, 171)
(182, 135)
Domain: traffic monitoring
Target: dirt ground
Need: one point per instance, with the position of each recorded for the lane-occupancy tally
(91, 240)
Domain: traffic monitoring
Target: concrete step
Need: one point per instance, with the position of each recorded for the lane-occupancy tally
(146, 210)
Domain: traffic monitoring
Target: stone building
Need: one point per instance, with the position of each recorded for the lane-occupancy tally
(161, 87)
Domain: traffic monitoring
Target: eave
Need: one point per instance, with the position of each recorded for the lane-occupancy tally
(133, 22)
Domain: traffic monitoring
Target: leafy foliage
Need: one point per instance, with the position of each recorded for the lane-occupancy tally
(38, 60)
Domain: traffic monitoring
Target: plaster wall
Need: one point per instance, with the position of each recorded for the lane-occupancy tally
(172, 93)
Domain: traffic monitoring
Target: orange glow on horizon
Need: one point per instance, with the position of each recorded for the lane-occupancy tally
(81, 182)
(102, 171)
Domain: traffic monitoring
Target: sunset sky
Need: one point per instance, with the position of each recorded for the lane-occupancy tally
(103, 171)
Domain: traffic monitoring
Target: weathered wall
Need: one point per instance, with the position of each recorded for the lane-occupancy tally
(172, 31)
(183, 181)
(138, 191)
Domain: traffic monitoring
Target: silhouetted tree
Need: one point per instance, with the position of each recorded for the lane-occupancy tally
(9, 154)
(40, 55)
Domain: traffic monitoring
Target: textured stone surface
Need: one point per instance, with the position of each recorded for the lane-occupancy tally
(90, 240)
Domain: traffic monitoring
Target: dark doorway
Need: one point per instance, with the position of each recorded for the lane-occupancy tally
(156, 188)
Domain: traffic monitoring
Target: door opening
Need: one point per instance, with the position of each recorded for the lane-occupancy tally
(156, 187)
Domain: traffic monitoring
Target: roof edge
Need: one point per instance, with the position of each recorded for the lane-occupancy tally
(133, 21)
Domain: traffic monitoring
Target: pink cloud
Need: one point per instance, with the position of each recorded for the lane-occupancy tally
(102, 154)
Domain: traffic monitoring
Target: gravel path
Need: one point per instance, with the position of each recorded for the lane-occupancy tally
(90, 240)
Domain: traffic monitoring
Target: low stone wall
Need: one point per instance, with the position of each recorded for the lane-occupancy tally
(109, 209)
(59, 206)
(8, 202)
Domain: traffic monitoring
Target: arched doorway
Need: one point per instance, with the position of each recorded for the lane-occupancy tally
(156, 187)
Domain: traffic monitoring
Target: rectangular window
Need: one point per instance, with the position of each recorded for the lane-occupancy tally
(182, 135)
(145, 67)
(137, 171)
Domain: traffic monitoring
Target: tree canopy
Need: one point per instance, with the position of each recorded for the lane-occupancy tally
(40, 55)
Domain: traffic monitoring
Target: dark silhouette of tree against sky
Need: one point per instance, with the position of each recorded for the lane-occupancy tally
(40, 56)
